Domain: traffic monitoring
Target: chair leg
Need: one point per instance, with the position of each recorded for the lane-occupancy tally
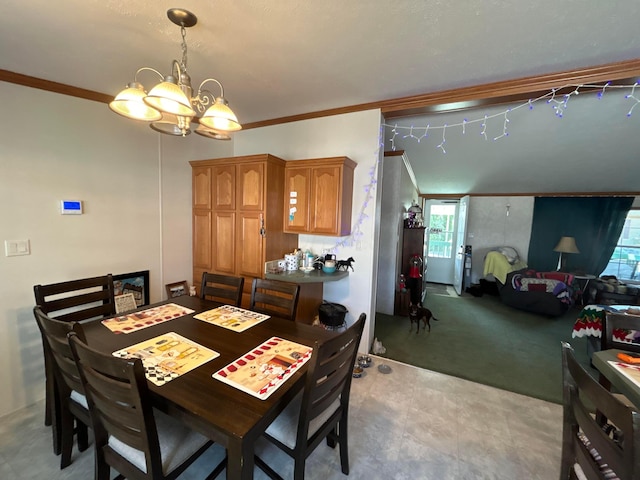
(344, 445)
(54, 412)
(82, 435)
(66, 436)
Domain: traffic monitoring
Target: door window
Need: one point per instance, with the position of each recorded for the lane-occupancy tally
(441, 229)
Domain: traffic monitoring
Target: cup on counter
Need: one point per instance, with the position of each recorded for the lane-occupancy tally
(330, 263)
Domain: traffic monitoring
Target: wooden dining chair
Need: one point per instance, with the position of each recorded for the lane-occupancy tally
(130, 436)
(614, 327)
(275, 298)
(321, 410)
(72, 404)
(222, 288)
(591, 450)
(74, 300)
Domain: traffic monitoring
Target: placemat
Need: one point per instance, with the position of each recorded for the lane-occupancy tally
(261, 371)
(632, 372)
(167, 356)
(145, 318)
(233, 318)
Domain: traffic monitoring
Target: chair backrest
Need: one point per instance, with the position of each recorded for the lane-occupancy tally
(222, 288)
(120, 406)
(587, 443)
(616, 325)
(77, 300)
(54, 333)
(275, 298)
(328, 380)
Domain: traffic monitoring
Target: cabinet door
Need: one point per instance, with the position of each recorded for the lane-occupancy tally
(202, 239)
(325, 200)
(224, 184)
(223, 235)
(297, 194)
(201, 187)
(250, 189)
(250, 245)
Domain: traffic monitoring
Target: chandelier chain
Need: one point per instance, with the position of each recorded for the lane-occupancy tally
(183, 32)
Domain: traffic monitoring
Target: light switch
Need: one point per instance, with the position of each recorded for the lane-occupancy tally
(13, 248)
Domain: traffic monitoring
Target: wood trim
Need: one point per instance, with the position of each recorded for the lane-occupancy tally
(494, 93)
(55, 87)
(435, 196)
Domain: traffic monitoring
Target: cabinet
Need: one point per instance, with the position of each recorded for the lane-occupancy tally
(237, 216)
(412, 244)
(318, 196)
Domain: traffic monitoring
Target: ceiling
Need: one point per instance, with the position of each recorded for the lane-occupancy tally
(287, 57)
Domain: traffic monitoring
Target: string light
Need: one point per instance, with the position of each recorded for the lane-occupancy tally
(559, 106)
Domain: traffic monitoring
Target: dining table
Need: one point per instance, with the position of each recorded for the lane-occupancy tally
(625, 385)
(221, 412)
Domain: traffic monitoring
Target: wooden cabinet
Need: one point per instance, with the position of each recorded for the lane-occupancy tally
(237, 216)
(319, 196)
(412, 244)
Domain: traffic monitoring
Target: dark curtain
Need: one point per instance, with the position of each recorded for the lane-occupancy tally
(595, 223)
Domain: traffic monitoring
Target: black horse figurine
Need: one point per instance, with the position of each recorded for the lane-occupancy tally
(345, 264)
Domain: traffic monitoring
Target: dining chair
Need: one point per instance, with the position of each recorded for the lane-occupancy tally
(276, 298)
(74, 300)
(591, 450)
(614, 326)
(321, 410)
(70, 398)
(222, 288)
(132, 437)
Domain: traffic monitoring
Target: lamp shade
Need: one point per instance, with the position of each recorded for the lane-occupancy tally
(167, 97)
(220, 117)
(130, 103)
(567, 245)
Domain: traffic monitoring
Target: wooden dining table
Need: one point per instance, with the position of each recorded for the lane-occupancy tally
(223, 413)
(627, 387)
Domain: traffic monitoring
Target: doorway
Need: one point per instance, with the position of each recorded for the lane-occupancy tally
(444, 219)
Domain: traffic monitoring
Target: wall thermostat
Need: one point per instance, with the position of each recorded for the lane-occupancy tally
(71, 207)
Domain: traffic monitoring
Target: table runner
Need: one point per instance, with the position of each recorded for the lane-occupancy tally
(233, 318)
(262, 370)
(167, 356)
(145, 318)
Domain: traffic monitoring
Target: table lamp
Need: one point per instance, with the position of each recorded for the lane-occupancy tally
(565, 245)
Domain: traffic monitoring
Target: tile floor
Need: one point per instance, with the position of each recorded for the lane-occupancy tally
(409, 424)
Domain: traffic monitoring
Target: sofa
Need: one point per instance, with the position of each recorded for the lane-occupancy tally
(545, 293)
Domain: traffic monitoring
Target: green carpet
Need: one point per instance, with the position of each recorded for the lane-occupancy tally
(482, 340)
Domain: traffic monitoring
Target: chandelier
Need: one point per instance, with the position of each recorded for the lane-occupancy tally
(170, 106)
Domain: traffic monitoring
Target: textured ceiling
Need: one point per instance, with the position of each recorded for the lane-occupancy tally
(287, 57)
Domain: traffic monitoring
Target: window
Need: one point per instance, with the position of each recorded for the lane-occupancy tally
(626, 257)
(441, 229)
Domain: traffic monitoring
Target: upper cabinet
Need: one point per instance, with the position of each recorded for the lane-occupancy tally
(318, 196)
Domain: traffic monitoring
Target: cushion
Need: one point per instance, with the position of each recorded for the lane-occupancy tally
(510, 253)
(177, 444)
(538, 284)
(285, 426)
(79, 398)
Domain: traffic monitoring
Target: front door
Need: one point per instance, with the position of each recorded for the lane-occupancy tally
(440, 220)
(461, 236)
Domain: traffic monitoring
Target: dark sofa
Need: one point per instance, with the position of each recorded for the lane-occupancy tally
(545, 293)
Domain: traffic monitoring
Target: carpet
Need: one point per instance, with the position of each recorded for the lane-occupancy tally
(482, 340)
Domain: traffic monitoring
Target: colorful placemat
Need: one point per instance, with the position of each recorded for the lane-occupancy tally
(262, 370)
(167, 356)
(632, 372)
(132, 322)
(234, 318)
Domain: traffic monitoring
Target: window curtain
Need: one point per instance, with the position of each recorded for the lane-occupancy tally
(595, 223)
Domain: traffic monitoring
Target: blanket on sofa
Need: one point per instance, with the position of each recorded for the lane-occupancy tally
(498, 265)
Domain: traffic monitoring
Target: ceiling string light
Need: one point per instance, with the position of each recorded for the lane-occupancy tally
(170, 106)
(557, 102)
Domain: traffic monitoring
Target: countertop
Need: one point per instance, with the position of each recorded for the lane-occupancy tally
(316, 276)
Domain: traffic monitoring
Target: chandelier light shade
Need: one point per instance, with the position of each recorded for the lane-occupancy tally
(170, 106)
(565, 245)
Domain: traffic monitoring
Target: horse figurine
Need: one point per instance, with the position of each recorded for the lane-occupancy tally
(345, 264)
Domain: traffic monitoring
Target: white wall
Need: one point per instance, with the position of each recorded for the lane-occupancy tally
(398, 191)
(355, 135)
(136, 190)
(495, 222)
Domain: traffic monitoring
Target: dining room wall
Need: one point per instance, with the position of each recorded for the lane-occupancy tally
(355, 135)
(135, 186)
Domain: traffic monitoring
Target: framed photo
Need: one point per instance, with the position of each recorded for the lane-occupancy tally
(177, 289)
(136, 283)
(125, 303)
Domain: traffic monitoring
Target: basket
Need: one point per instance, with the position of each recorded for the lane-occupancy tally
(332, 314)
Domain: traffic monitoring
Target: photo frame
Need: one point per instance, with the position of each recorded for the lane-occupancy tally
(125, 303)
(177, 289)
(136, 283)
